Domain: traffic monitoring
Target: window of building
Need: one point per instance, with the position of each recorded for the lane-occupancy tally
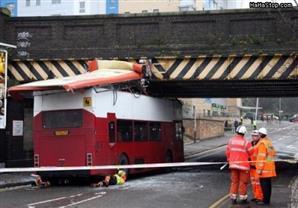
(82, 7)
(155, 10)
(62, 119)
(28, 3)
(140, 131)
(56, 1)
(112, 129)
(144, 11)
(37, 2)
(124, 130)
(155, 131)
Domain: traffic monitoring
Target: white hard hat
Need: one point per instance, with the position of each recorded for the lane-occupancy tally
(241, 130)
(263, 131)
(255, 132)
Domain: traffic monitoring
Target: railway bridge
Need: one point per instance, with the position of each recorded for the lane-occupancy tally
(211, 54)
(231, 53)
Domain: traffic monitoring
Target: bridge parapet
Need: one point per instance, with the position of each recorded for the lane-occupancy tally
(175, 35)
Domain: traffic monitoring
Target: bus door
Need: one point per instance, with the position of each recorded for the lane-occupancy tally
(111, 134)
(178, 141)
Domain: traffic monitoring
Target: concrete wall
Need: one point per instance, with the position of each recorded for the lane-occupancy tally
(206, 128)
(155, 35)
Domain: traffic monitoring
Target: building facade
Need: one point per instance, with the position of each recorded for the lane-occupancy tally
(148, 6)
(223, 4)
(98, 7)
(213, 107)
(60, 7)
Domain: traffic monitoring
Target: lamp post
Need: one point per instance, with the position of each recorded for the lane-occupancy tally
(279, 110)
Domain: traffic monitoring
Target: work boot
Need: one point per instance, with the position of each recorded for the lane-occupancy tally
(253, 200)
(233, 201)
(260, 203)
(243, 201)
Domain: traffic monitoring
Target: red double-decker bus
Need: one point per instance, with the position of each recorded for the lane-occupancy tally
(78, 123)
(97, 126)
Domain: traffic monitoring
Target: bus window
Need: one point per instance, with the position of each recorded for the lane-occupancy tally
(124, 130)
(140, 131)
(112, 135)
(155, 131)
(62, 119)
(179, 130)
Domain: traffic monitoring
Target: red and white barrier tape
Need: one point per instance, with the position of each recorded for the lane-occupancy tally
(135, 166)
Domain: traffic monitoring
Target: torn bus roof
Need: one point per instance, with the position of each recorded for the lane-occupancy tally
(113, 72)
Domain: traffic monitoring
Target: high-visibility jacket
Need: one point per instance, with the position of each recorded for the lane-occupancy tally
(265, 158)
(120, 180)
(253, 151)
(237, 153)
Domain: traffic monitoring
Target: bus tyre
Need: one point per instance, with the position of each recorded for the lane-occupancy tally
(168, 159)
(123, 160)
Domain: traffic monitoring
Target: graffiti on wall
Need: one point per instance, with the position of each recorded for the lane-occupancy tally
(23, 43)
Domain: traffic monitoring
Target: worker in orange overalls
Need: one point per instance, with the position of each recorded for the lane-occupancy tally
(265, 165)
(254, 178)
(237, 153)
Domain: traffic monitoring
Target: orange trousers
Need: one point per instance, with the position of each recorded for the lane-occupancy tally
(256, 186)
(239, 182)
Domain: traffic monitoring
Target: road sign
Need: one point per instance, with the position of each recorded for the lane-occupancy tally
(87, 101)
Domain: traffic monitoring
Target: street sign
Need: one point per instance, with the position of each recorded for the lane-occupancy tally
(87, 101)
(3, 87)
(3, 82)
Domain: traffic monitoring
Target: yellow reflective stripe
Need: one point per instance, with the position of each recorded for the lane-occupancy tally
(239, 166)
(267, 171)
(237, 149)
(238, 142)
(270, 159)
(261, 154)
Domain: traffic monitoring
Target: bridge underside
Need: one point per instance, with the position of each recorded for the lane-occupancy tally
(205, 76)
(224, 88)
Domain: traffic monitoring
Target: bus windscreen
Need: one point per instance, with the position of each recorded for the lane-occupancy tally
(62, 119)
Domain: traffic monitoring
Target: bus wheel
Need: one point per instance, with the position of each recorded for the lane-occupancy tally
(123, 160)
(168, 159)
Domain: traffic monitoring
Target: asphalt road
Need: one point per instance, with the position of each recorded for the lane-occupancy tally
(185, 187)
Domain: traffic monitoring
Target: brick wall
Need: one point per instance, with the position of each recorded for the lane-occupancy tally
(206, 128)
(153, 35)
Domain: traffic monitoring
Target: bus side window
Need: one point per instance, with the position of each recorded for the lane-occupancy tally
(112, 137)
(155, 131)
(124, 130)
(140, 131)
